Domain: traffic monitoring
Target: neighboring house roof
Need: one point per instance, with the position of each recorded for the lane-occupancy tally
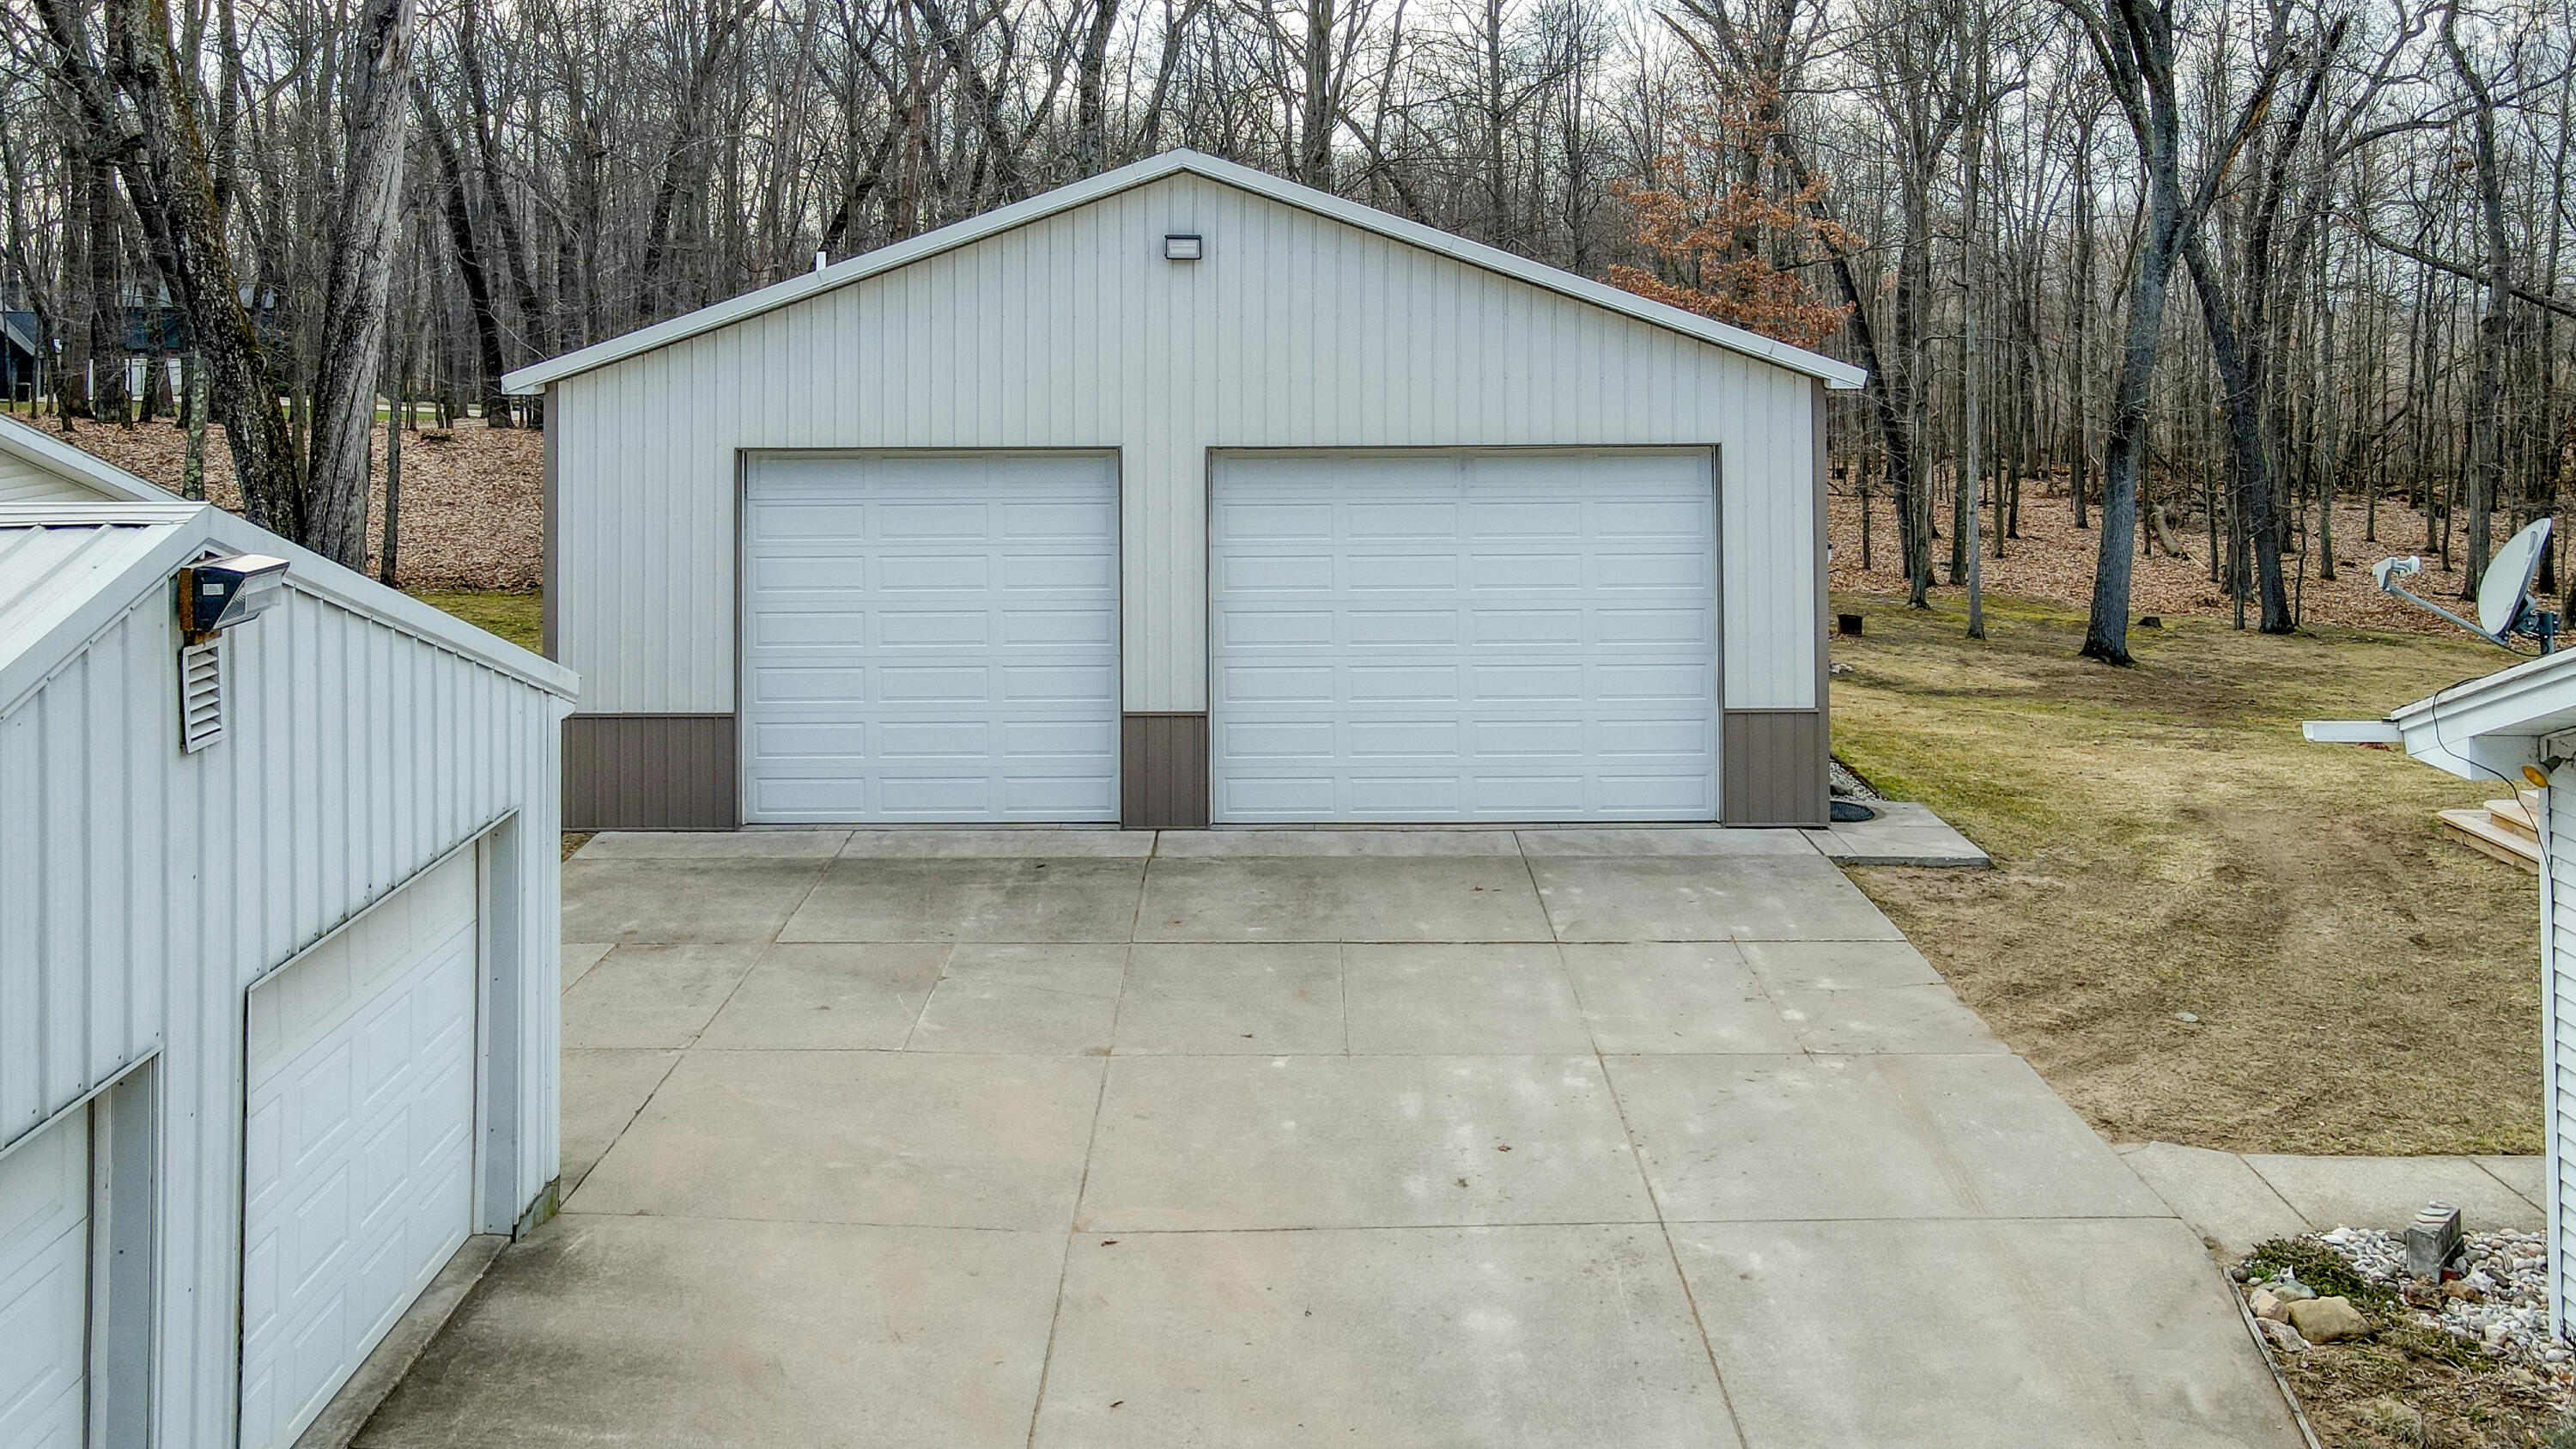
(1081, 193)
(69, 569)
(20, 329)
(2481, 728)
(39, 449)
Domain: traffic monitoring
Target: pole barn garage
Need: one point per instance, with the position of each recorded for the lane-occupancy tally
(277, 960)
(1186, 495)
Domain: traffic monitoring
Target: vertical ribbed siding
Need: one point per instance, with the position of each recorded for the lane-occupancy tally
(2558, 1053)
(143, 889)
(1074, 332)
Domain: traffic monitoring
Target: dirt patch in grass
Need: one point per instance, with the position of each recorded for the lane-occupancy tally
(2166, 843)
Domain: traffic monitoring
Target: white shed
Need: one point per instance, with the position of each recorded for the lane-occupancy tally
(277, 966)
(2517, 727)
(1187, 494)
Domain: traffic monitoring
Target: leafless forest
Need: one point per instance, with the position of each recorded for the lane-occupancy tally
(2191, 270)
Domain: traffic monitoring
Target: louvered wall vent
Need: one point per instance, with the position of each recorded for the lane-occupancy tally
(201, 695)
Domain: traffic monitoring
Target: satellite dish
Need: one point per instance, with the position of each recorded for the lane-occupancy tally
(2506, 589)
(2504, 595)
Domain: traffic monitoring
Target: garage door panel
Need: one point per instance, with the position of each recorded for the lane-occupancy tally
(358, 1176)
(44, 1288)
(984, 682)
(1502, 635)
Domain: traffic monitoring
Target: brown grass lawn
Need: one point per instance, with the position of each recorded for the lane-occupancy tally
(2165, 842)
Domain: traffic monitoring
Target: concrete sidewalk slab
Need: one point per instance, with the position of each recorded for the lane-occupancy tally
(1667, 898)
(2384, 1192)
(1674, 996)
(1837, 965)
(1495, 1337)
(713, 845)
(1509, 998)
(1061, 898)
(1869, 1020)
(666, 1332)
(1743, 1138)
(998, 843)
(829, 997)
(1342, 898)
(602, 1092)
(721, 902)
(1058, 1000)
(1261, 999)
(1903, 834)
(908, 1138)
(653, 996)
(1975, 1334)
(1352, 1142)
(2527, 1176)
(2222, 1197)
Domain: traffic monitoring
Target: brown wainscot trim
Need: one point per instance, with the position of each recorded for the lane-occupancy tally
(1163, 772)
(650, 772)
(1774, 762)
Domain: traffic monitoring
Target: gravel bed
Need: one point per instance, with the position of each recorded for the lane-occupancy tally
(1849, 785)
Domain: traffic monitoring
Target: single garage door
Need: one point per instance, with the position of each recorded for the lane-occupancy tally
(930, 637)
(1442, 636)
(358, 1143)
(44, 1289)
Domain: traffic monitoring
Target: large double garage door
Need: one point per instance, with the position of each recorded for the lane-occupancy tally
(1423, 635)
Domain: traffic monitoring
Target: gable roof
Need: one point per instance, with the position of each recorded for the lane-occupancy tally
(69, 569)
(35, 446)
(533, 379)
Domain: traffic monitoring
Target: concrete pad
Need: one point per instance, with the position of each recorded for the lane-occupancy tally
(1042, 1000)
(1373, 843)
(578, 957)
(653, 996)
(1885, 1019)
(1667, 996)
(2384, 1192)
(1704, 899)
(1481, 898)
(2527, 1176)
(1981, 1335)
(1066, 898)
(1836, 965)
(1315, 1142)
(1903, 834)
(1460, 999)
(670, 901)
(1498, 1338)
(856, 1137)
(713, 845)
(840, 997)
(602, 1092)
(377, 1375)
(2215, 1193)
(1106, 842)
(663, 1333)
(1575, 840)
(1745, 1137)
(1263, 999)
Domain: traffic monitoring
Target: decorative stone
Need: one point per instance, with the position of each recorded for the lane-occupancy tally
(2267, 1305)
(2283, 1336)
(2291, 1290)
(2328, 1320)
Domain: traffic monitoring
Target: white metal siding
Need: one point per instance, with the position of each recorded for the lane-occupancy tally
(2558, 1022)
(930, 637)
(358, 1143)
(1525, 635)
(144, 889)
(24, 482)
(44, 1289)
(1073, 331)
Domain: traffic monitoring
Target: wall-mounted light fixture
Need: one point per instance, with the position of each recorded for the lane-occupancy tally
(221, 592)
(1182, 248)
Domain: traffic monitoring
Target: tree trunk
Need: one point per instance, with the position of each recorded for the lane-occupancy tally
(469, 257)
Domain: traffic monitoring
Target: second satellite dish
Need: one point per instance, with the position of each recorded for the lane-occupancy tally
(2504, 595)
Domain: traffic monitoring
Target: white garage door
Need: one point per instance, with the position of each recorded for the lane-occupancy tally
(44, 1289)
(1523, 635)
(930, 637)
(359, 1143)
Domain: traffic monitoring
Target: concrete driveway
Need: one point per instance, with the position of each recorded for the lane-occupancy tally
(1569, 1137)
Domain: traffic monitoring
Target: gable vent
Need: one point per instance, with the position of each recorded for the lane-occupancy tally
(201, 695)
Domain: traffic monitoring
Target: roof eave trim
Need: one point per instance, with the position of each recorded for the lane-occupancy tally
(27, 441)
(1836, 374)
